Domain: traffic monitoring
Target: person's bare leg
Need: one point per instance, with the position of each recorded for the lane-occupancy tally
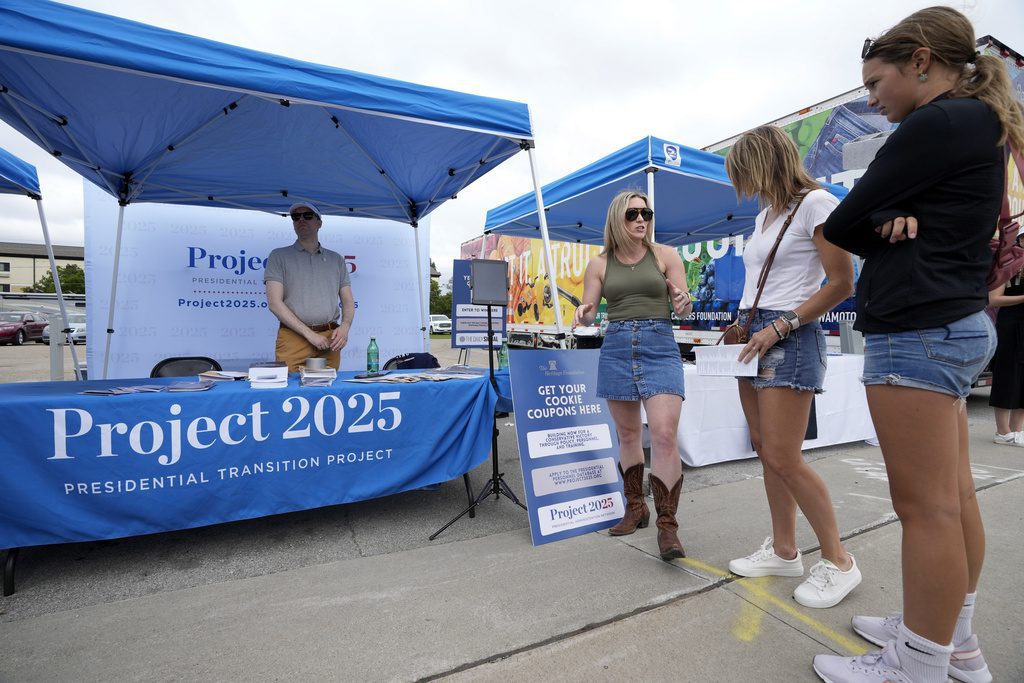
(666, 471)
(1003, 421)
(663, 426)
(1016, 420)
(920, 437)
(784, 414)
(970, 515)
(626, 415)
(781, 505)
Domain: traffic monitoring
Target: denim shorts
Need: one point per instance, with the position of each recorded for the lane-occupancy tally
(796, 362)
(945, 359)
(639, 359)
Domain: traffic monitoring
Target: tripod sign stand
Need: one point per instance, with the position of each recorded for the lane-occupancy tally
(489, 282)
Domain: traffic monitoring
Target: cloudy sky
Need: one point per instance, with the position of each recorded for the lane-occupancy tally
(597, 74)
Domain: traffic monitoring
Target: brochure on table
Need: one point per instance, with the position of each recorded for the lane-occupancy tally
(567, 443)
(469, 320)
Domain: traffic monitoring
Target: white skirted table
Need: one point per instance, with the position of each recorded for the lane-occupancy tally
(712, 428)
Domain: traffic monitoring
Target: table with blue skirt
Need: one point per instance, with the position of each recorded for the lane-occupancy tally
(83, 467)
(504, 388)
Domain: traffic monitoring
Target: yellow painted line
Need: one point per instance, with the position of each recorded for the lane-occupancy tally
(763, 597)
(748, 624)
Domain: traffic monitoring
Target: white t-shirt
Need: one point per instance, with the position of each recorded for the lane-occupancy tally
(796, 273)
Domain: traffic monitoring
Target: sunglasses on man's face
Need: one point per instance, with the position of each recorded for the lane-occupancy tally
(646, 214)
(308, 215)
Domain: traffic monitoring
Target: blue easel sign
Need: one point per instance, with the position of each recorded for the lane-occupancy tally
(567, 443)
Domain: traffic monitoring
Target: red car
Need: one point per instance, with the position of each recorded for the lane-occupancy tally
(18, 327)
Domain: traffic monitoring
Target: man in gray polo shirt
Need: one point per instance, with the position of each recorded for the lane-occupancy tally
(304, 284)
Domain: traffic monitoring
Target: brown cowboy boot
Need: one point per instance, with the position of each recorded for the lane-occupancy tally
(666, 502)
(637, 515)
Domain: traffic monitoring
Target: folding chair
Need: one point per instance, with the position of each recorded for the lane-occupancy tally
(184, 366)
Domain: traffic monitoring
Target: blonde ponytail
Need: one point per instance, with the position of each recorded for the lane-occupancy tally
(990, 82)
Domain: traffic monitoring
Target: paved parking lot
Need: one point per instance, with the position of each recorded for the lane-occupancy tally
(358, 592)
(31, 362)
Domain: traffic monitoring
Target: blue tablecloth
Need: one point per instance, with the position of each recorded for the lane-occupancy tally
(81, 467)
(504, 404)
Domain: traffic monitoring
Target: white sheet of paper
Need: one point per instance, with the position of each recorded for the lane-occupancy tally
(721, 360)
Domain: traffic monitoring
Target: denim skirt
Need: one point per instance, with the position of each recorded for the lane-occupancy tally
(945, 359)
(796, 362)
(639, 359)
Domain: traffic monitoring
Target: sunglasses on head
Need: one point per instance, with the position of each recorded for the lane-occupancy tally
(299, 215)
(868, 43)
(646, 214)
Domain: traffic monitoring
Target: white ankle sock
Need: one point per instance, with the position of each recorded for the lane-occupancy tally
(921, 659)
(964, 628)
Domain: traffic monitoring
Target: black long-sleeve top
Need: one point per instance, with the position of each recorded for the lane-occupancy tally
(944, 167)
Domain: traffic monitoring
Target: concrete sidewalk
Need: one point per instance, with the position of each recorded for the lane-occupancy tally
(494, 607)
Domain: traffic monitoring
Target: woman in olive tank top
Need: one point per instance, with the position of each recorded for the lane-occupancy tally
(640, 361)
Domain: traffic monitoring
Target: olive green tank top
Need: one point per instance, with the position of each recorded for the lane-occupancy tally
(635, 292)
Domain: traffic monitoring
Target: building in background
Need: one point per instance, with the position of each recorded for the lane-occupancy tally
(21, 265)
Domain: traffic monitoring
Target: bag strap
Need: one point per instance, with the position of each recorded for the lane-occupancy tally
(767, 266)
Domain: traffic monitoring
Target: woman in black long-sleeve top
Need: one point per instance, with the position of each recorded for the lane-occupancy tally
(922, 216)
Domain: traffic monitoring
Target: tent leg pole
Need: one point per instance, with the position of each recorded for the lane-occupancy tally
(547, 249)
(57, 289)
(424, 328)
(113, 290)
(650, 191)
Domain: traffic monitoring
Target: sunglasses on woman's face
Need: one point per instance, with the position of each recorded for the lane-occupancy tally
(308, 215)
(646, 214)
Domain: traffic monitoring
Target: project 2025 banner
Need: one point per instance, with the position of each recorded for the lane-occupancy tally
(190, 283)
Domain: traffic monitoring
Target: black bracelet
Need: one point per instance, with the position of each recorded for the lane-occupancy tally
(777, 331)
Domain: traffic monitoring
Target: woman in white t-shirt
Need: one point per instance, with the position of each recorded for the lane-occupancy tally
(786, 337)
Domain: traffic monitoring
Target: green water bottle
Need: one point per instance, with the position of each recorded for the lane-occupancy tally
(503, 355)
(372, 358)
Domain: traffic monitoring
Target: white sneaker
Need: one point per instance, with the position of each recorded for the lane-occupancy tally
(827, 585)
(966, 664)
(874, 667)
(1010, 439)
(765, 562)
(878, 630)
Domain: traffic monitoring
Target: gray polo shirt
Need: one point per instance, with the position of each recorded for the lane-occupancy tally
(311, 281)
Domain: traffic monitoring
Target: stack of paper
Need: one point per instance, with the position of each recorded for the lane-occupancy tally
(115, 391)
(222, 375)
(458, 370)
(201, 385)
(317, 378)
(268, 375)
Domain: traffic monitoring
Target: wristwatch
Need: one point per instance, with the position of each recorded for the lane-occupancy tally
(791, 318)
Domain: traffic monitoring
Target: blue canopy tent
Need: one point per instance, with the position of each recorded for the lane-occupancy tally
(151, 115)
(17, 176)
(20, 177)
(695, 199)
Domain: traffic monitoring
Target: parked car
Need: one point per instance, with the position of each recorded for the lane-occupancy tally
(18, 327)
(76, 321)
(440, 324)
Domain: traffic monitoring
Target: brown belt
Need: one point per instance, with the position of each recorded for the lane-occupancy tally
(326, 327)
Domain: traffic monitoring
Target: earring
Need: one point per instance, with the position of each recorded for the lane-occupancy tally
(923, 77)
